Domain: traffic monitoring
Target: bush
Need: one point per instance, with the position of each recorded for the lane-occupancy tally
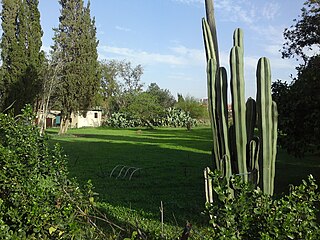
(37, 200)
(171, 118)
(122, 120)
(178, 118)
(255, 215)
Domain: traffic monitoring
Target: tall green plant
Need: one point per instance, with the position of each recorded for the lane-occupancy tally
(75, 48)
(21, 54)
(237, 150)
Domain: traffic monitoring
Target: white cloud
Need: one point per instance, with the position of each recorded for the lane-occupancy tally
(124, 29)
(270, 10)
(178, 56)
(236, 11)
(230, 10)
(190, 1)
(180, 77)
(191, 56)
(273, 49)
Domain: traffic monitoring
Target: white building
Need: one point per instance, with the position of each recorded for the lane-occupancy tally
(93, 118)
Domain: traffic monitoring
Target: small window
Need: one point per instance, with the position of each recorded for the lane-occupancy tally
(95, 115)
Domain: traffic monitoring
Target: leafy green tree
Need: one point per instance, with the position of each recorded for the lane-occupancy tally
(299, 102)
(299, 110)
(131, 77)
(75, 47)
(192, 106)
(163, 96)
(110, 88)
(305, 34)
(119, 80)
(143, 106)
(21, 56)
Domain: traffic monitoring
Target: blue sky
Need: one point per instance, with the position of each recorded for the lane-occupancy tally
(165, 37)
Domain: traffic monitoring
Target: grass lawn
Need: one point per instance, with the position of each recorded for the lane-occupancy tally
(171, 162)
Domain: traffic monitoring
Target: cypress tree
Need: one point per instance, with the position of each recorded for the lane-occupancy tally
(75, 47)
(21, 55)
(9, 47)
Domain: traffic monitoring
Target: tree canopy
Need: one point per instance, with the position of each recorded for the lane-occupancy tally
(75, 47)
(304, 35)
(21, 53)
(299, 102)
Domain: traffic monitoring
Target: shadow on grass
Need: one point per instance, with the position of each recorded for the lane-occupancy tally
(171, 162)
(292, 170)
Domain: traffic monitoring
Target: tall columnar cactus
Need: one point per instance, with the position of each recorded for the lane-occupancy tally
(237, 150)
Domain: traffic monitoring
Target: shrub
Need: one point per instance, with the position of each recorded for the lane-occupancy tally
(37, 200)
(122, 120)
(171, 118)
(178, 118)
(251, 214)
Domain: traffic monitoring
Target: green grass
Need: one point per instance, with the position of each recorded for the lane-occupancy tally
(172, 162)
(291, 170)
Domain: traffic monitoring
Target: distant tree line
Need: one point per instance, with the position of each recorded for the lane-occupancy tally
(123, 98)
(70, 78)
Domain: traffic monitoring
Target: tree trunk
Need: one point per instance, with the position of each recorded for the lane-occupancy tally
(65, 121)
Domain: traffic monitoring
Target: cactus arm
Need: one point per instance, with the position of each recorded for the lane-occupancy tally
(274, 144)
(251, 118)
(264, 107)
(238, 107)
(211, 72)
(208, 42)
(212, 26)
(254, 160)
(238, 38)
(222, 106)
(208, 185)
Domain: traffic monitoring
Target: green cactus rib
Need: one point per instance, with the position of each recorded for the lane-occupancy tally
(238, 38)
(265, 123)
(208, 41)
(239, 108)
(251, 118)
(254, 160)
(211, 75)
(274, 143)
(222, 107)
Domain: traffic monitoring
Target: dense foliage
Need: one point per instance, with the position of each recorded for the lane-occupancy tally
(119, 80)
(304, 35)
(37, 200)
(193, 106)
(75, 48)
(299, 110)
(170, 117)
(251, 214)
(22, 59)
(163, 96)
(299, 102)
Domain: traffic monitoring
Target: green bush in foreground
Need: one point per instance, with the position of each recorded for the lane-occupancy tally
(251, 214)
(37, 200)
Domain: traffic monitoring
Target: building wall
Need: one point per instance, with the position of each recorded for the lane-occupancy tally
(92, 119)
